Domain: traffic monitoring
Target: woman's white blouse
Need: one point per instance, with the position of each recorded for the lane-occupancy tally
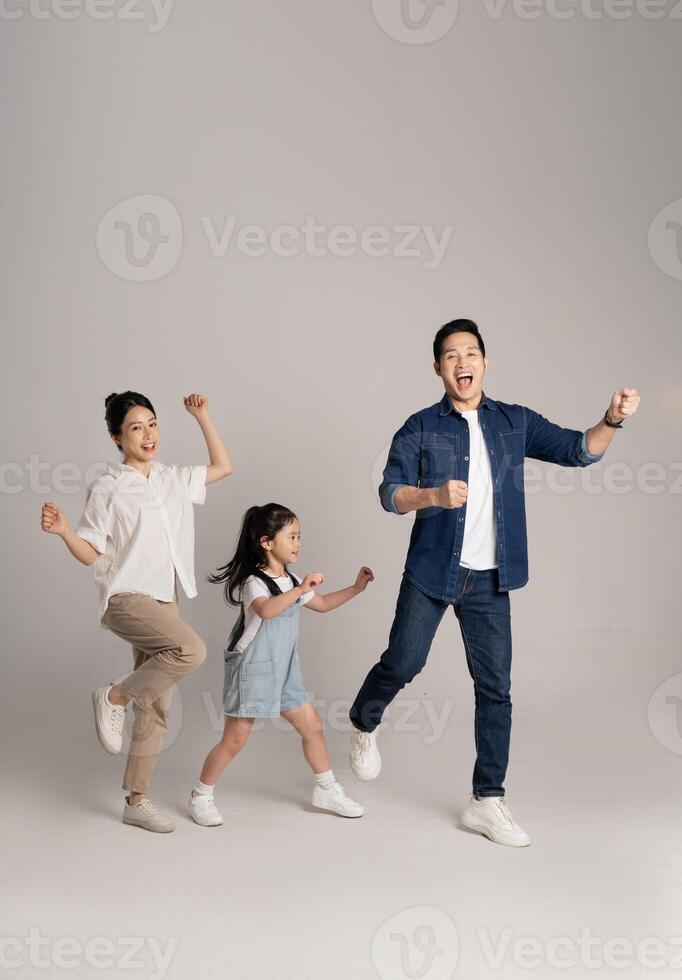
(143, 529)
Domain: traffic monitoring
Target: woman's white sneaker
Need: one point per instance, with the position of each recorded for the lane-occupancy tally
(109, 719)
(144, 814)
(492, 816)
(202, 810)
(365, 759)
(336, 800)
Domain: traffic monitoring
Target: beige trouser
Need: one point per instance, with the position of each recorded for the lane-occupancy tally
(165, 649)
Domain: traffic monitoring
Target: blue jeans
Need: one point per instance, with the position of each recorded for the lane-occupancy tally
(485, 623)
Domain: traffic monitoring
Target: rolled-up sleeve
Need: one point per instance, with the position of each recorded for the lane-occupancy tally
(553, 443)
(194, 478)
(95, 523)
(587, 456)
(402, 465)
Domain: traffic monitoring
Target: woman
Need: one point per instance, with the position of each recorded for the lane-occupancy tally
(137, 529)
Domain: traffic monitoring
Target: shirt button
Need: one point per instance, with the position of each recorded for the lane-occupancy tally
(466, 457)
(460, 519)
(456, 553)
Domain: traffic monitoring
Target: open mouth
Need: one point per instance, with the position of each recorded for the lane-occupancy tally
(149, 447)
(464, 380)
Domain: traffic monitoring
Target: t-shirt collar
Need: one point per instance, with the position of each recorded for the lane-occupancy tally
(446, 405)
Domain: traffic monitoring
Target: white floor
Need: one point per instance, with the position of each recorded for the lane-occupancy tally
(284, 892)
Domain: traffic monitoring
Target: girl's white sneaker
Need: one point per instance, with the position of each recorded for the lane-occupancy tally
(365, 759)
(335, 799)
(491, 816)
(202, 810)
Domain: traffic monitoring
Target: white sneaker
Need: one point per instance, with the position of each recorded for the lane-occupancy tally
(109, 719)
(365, 759)
(144, 814)
(336, 800)
(202, 810)
(491, 816)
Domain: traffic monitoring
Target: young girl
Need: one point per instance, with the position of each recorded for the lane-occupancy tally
(262, 667)
(138, 531)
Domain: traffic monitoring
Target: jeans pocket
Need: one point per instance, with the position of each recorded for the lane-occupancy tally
(257, 682)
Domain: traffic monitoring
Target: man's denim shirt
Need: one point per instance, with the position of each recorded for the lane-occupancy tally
(433, 446)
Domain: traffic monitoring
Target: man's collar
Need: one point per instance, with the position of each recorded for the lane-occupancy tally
(446, 405)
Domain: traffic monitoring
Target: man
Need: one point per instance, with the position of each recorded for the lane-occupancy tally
(459, 465)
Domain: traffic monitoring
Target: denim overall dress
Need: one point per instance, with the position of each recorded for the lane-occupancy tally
(265, 678)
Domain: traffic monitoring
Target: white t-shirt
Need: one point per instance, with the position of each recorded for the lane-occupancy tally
(143, 529)
(479, 548)
(252, 589)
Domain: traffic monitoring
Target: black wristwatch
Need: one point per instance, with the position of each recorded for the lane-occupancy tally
(612, 425)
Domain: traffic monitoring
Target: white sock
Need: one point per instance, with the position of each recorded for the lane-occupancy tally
(325, 779)
(202, 789)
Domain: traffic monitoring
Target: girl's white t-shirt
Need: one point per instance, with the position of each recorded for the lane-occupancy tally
(253, 588)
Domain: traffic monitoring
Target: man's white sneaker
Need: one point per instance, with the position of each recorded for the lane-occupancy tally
(492, 816)
(202, 810)
(336, 800)
(109, 719)
(144, 814)
(365, 759)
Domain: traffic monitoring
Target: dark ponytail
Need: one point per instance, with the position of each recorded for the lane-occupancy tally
(116, 407)
(249, 557)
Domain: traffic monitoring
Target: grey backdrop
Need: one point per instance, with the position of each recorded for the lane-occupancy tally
(551, 148)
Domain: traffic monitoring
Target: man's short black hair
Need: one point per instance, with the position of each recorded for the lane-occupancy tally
(456, 326)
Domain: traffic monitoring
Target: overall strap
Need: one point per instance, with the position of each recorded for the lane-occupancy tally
(273, 587)
(237, 631)
(239, 626)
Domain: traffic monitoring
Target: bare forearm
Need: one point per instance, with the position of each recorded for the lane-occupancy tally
(278, 603)
(415, 498)
(79, 548)
(332, 600)
(217, 453)
(599, 437)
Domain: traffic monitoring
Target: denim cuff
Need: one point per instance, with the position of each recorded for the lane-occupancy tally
(387, 494)
(585, 456)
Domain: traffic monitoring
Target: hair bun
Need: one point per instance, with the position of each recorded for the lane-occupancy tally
(110, 398)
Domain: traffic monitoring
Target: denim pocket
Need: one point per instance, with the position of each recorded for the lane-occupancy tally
(438, 455)
(257, 682)
(511, 458)
(513, 446)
